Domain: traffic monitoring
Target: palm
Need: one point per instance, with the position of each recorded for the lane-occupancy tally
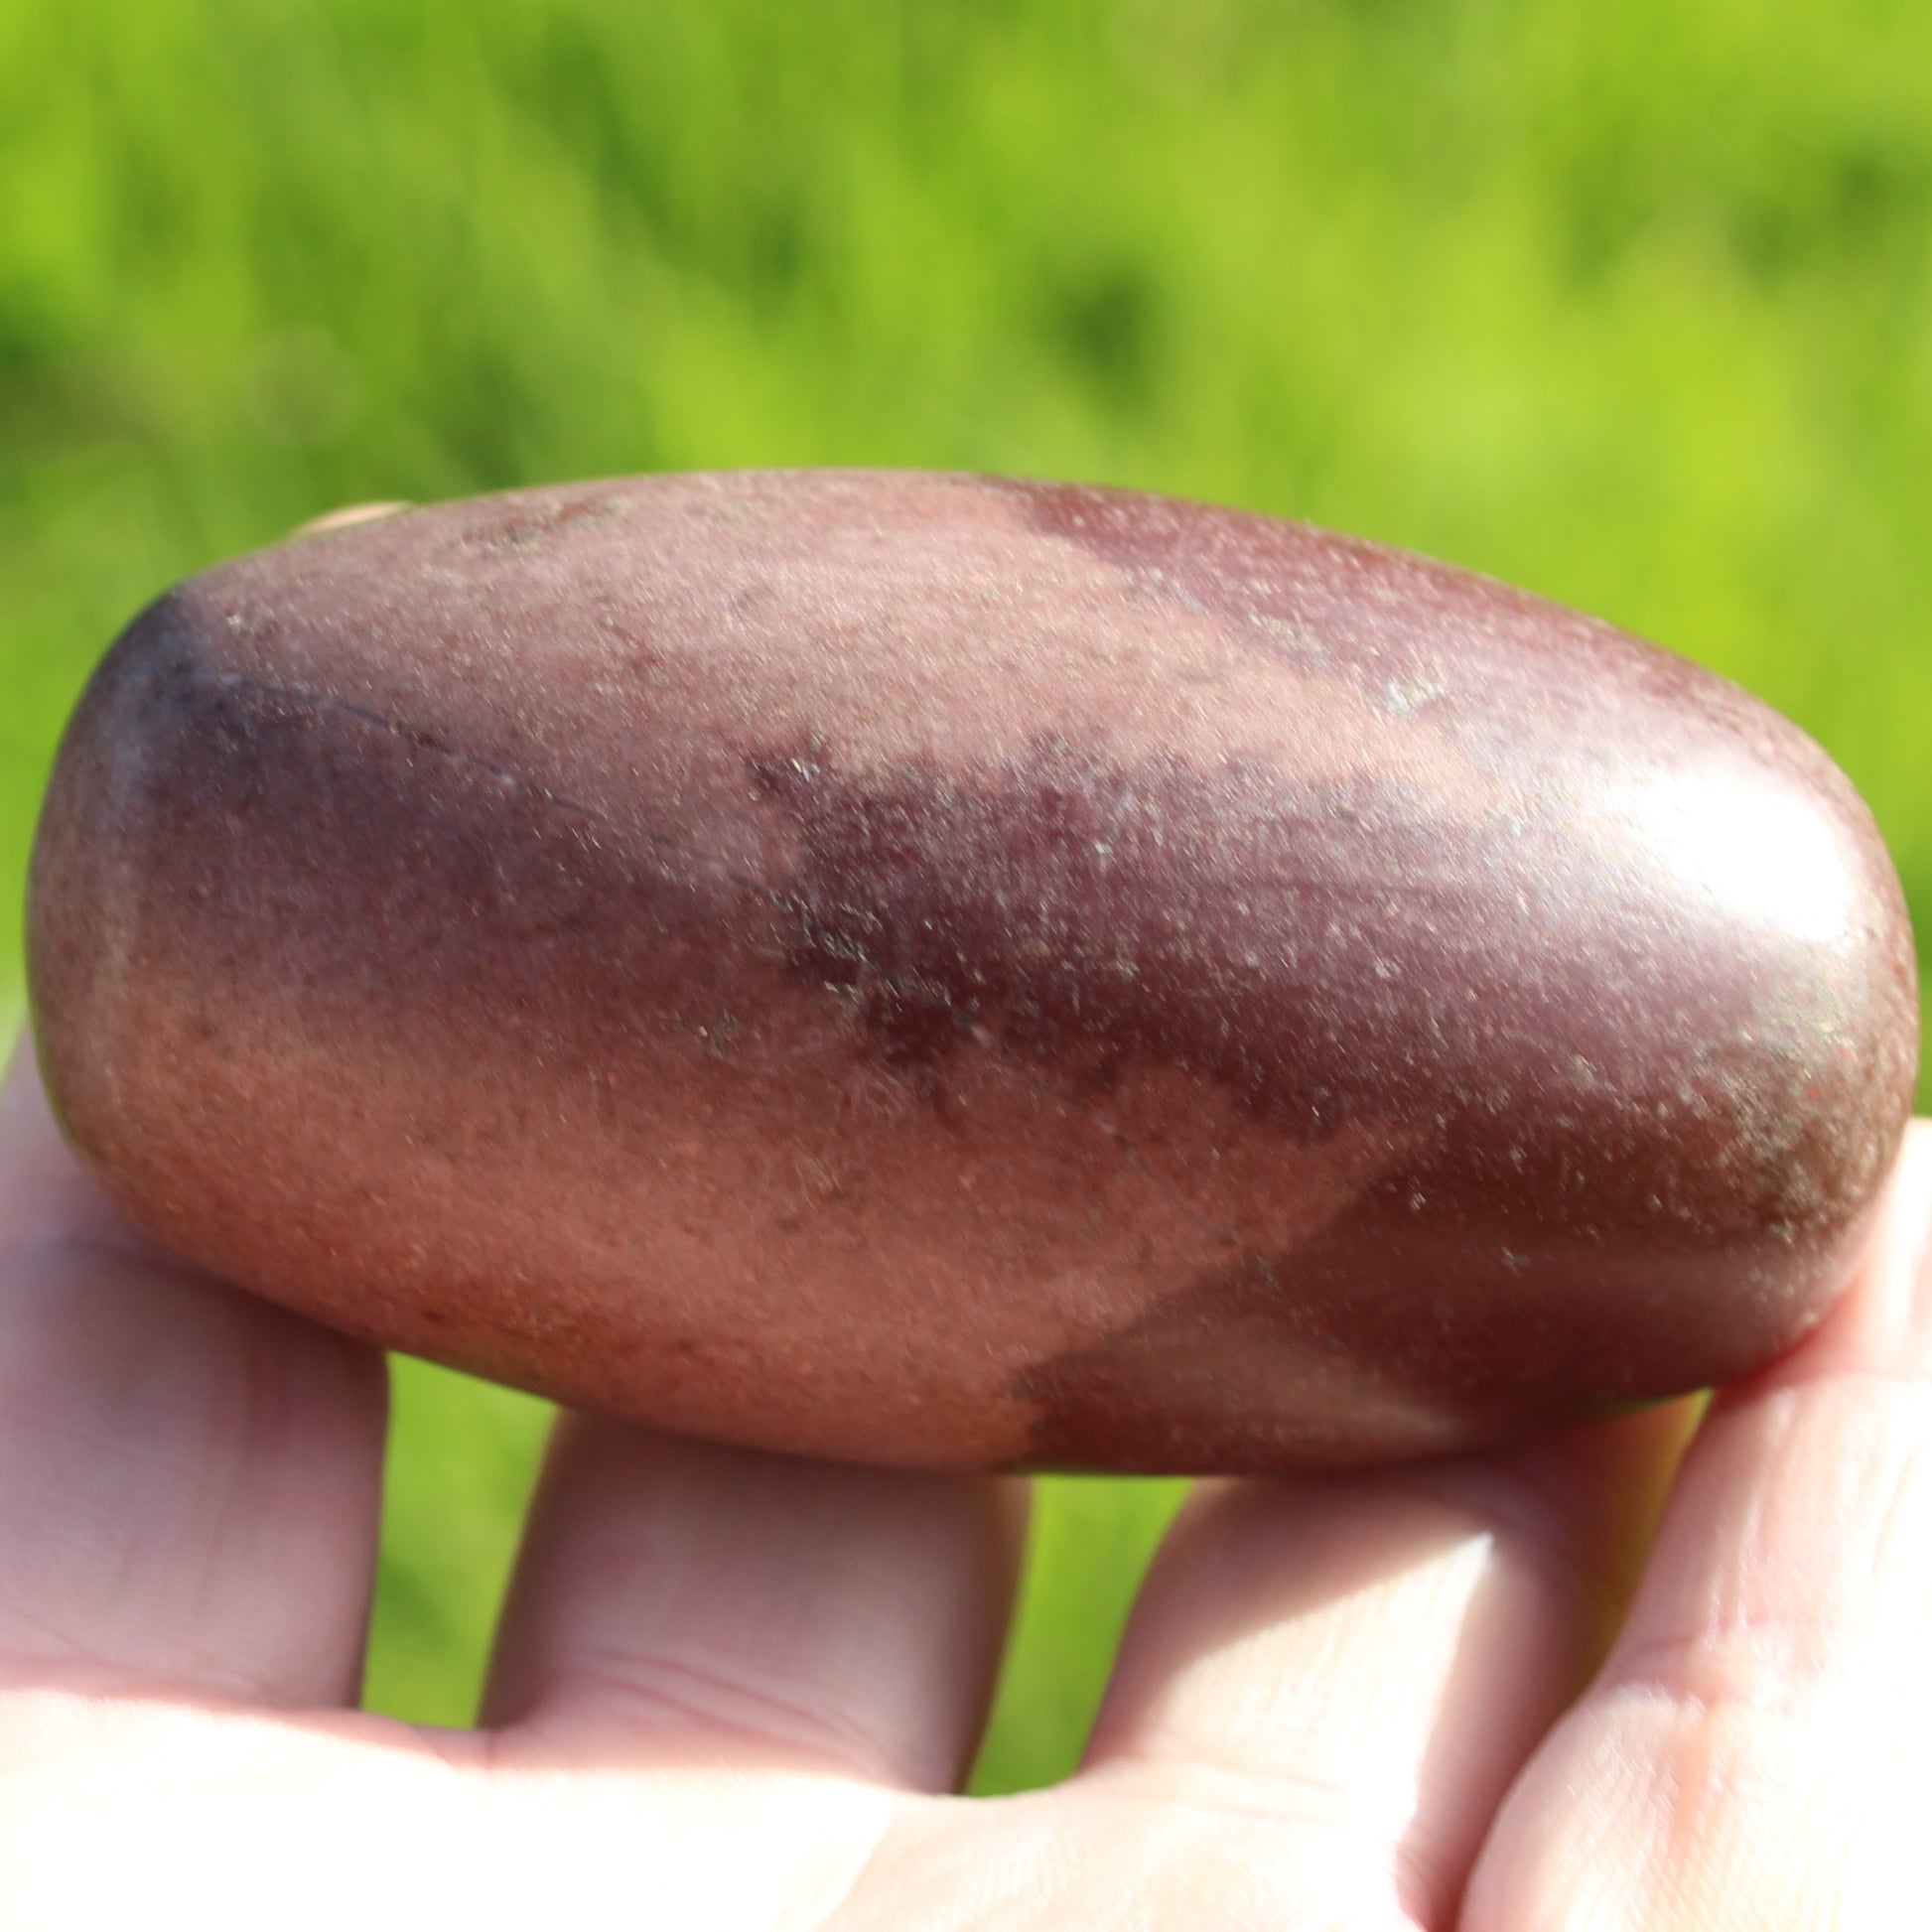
(334, 1819)
(735, 1691)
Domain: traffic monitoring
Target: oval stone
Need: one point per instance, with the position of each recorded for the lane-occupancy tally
(968, 973)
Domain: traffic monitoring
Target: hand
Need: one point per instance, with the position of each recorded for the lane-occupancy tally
(735, 1691)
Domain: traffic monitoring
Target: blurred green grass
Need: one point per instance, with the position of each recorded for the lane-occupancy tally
(1632, 306)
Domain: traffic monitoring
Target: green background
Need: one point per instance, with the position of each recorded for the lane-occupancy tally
(1631, 305)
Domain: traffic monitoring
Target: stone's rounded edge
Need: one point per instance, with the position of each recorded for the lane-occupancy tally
(838, 857)
(79, 908)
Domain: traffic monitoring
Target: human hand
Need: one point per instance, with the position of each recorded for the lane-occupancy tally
(734, 1691)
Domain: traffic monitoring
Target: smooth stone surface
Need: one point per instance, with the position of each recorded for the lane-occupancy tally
(970, 973)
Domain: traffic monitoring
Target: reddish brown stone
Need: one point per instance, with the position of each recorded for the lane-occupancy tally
(958, 972)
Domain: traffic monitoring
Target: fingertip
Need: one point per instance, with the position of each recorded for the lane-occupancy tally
(1882, 1320)
(1886, 1316)
(22, 1069)
(1769, 1679)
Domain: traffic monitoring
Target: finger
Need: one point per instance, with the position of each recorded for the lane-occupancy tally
(1758, 1747)
(190, 1480)
(1368, 1661)
(673, 1597)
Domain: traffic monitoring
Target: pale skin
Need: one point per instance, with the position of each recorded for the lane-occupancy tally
(1659, 1673)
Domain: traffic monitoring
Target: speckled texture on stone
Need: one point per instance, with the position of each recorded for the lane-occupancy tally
(970, 973)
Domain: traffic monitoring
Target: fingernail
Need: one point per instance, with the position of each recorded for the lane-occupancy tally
(341, 520)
